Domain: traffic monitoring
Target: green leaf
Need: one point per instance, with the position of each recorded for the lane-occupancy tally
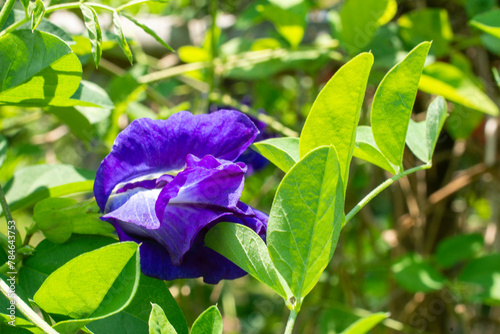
(488, 22)
(458, 248)
(282, 152)
(463, 121)
(83, 121)
(436, 116)
(36, 12)
(364, 325)
(58, 218)
(193, 54)
(454, 85)
(416, 139)
(37, 69)
(430, 24)
(49, 256)
(3, 149)
(474, 7)
(416, 275)
(306, 219)
(134, 3)
(94, 31)
(484, 273)
(45, 25)
(209, 322)
(365, 148)
(334, 115)
(290, 22)
(34, 183)
(393, 103)
(134, 319)
(90, 94)
(92, 286)
(247, 250)
(25, 4)
(158, 322)
(360, 20)
(148, 31)
(121, 38)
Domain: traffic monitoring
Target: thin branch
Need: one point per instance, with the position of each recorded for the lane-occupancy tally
(25, 309)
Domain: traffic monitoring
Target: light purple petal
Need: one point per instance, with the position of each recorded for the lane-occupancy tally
(148, 147)
(136, 206)
(192, 200)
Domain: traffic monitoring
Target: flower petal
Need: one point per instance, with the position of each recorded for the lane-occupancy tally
(194, 199)
(136, 206)
(199, 261)
(150, 146)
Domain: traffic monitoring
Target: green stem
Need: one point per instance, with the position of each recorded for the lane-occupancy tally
(51, 9)
(8, 218)
(380, 188)
(25, 309)
(4, 13)
(291, 321)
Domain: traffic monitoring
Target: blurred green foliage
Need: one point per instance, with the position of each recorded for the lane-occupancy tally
(426, 251)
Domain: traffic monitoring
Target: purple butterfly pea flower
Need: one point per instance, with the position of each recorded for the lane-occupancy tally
(254, 161)
(165, 183)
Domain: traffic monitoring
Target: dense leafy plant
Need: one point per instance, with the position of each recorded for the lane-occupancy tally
(72, 274)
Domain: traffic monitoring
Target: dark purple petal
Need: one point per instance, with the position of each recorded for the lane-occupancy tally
(148, 147)
(194, 199)
(199, 261)
(148, 184)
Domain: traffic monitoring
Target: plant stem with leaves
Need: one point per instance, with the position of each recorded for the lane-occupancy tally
(6, 9)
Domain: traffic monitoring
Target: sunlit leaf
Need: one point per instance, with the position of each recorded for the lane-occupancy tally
(209, 322)
(45, 25)
(430, 24)
(36, 11)
(34, 183)
(393, 104)
(416, 275)
(135, 318)
(436, 115)
(289, 22)
(365, 148)
(37, 69)
(484, 274)
(360, 20)
(134, 3)
(416, 139)
(158, 322)
(451, 83)
(94, 31)
(282, 152)
(463, 121)
(90, 94)
(49, 256)
(58, 218)
(488, 22)
(3, 149)
(121, 38)
(193, 54)
(458, 248)
(73, 290)
(364, 325)
(306, 219)
(247, 250)
(148, 30)
(334, 115)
